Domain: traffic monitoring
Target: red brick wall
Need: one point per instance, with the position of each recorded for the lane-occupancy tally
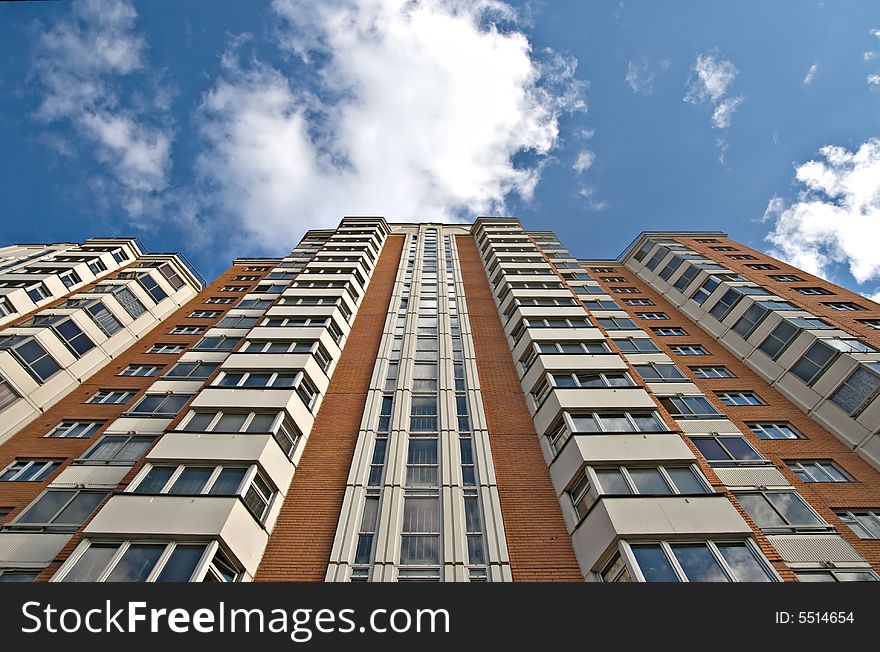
(819, 443)
(300, 544)
(537, 539)
(30, 442)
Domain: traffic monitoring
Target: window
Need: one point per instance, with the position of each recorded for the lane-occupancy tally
(712, 372)
(741, 257)
(705, 290)
(58, 509)
(275, 423)
(651, 480)
(614, 279)
(704, 561)
(636, 345)
(603, 270)
(112, 396)
(616, 323)
(28, 470)
(740, 398)
(67, 331)
(195, 370)
(785, 278)
(18, 575)
(129, 302)
(813, 291)
(123, 449)
(420, 538)
(204, 314)
(187, 330)
(150, 561)
(234, 288)
(775, 430)
(221, 300)
(727, 450)
(864, 522)
(758, 266)
(659, 372)
(706, 240)
(811, 323)
(687, 276)
(237, 321)
(859, 390)
(871, 323)
(818, 471)
(600, 422)
(423, 414)
(220, 480)
(254, 304)
(37, 292)
(625, 290)
(652, 315)
(97, 266)
(814, 362)
(591, 379)
(837, 576)
(166, 348)
(75, 429)
(669, 331)
(638, 302)
(5, 307)
(141, 370)
(689, 349)
(160, 405)
(772, 510)
(690, 407)
(844, 305)
(8, 395)
(148, 283)
(753, 316)
(723, 248)
(217, 343)
(779, 339)
(246, 278)
(31, 355)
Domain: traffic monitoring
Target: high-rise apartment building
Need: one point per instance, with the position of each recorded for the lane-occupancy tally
(436, 402)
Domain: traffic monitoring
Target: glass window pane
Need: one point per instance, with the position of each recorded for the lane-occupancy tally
(136, 563)
(612, 481)
(793, 507)
(649, 481)
(45, 507)
(80, 508)
(191, 481)
(686, 480)
(155, 480)
(698, 563)
(760, 510)
(134, 449)
(181, 564)
(742, 561)
(106, 448)
(92, 563)
(710, 449)
(654, 564)
(740, 448)
(230, 423)
(200, 421)
(615, 423)
(228, 482)
(261, 423)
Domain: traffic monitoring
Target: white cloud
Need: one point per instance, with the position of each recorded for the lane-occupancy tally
(723, 146)
(836, 218)
(873, 79)
(78, 63)
(589, 194)
(640, 76)
(868, 56)
(710, 79)
(584, 161)
(811, 74)
(876, 32)
(417, 112)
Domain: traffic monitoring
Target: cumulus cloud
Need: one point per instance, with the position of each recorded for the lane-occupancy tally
(873, 79)
(584, 161)
(836, 217)
(710, 80)
(395, 121)
(78, 63)
(811, 74)
(868, 56)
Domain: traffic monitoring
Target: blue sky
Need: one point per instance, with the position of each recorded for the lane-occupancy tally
(226, 129)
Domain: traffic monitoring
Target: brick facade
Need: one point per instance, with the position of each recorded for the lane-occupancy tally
(818, 443)
(537, 539)
(300, 544)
